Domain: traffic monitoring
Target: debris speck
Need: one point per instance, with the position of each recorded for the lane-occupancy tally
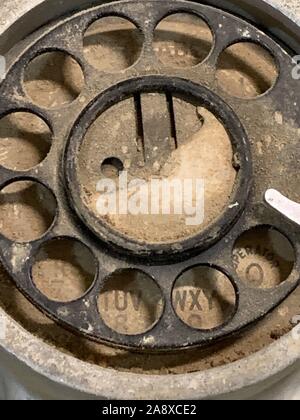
(278, 117)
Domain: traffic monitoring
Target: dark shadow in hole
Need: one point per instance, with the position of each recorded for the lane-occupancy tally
(59, 256)
(112, 167)
(199, 48)
(126, 42)
(142, 297)
(40, 141)
(209, 284)
(56, 67)
(267, 249)
(214, 294)
(30, 195)
(27, 195)
(231, 61)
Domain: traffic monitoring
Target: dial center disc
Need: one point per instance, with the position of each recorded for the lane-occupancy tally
(155, 163)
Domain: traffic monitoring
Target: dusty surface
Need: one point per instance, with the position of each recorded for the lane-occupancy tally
(186, 46)
(53, 79)
(272, 328)
(239, 77)
(263, 258)
(215, 301)
(131, 302)
(203, 148)
(64, 270)
(99, 38)
(25, 141)
(204, 153)
(27, 210)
